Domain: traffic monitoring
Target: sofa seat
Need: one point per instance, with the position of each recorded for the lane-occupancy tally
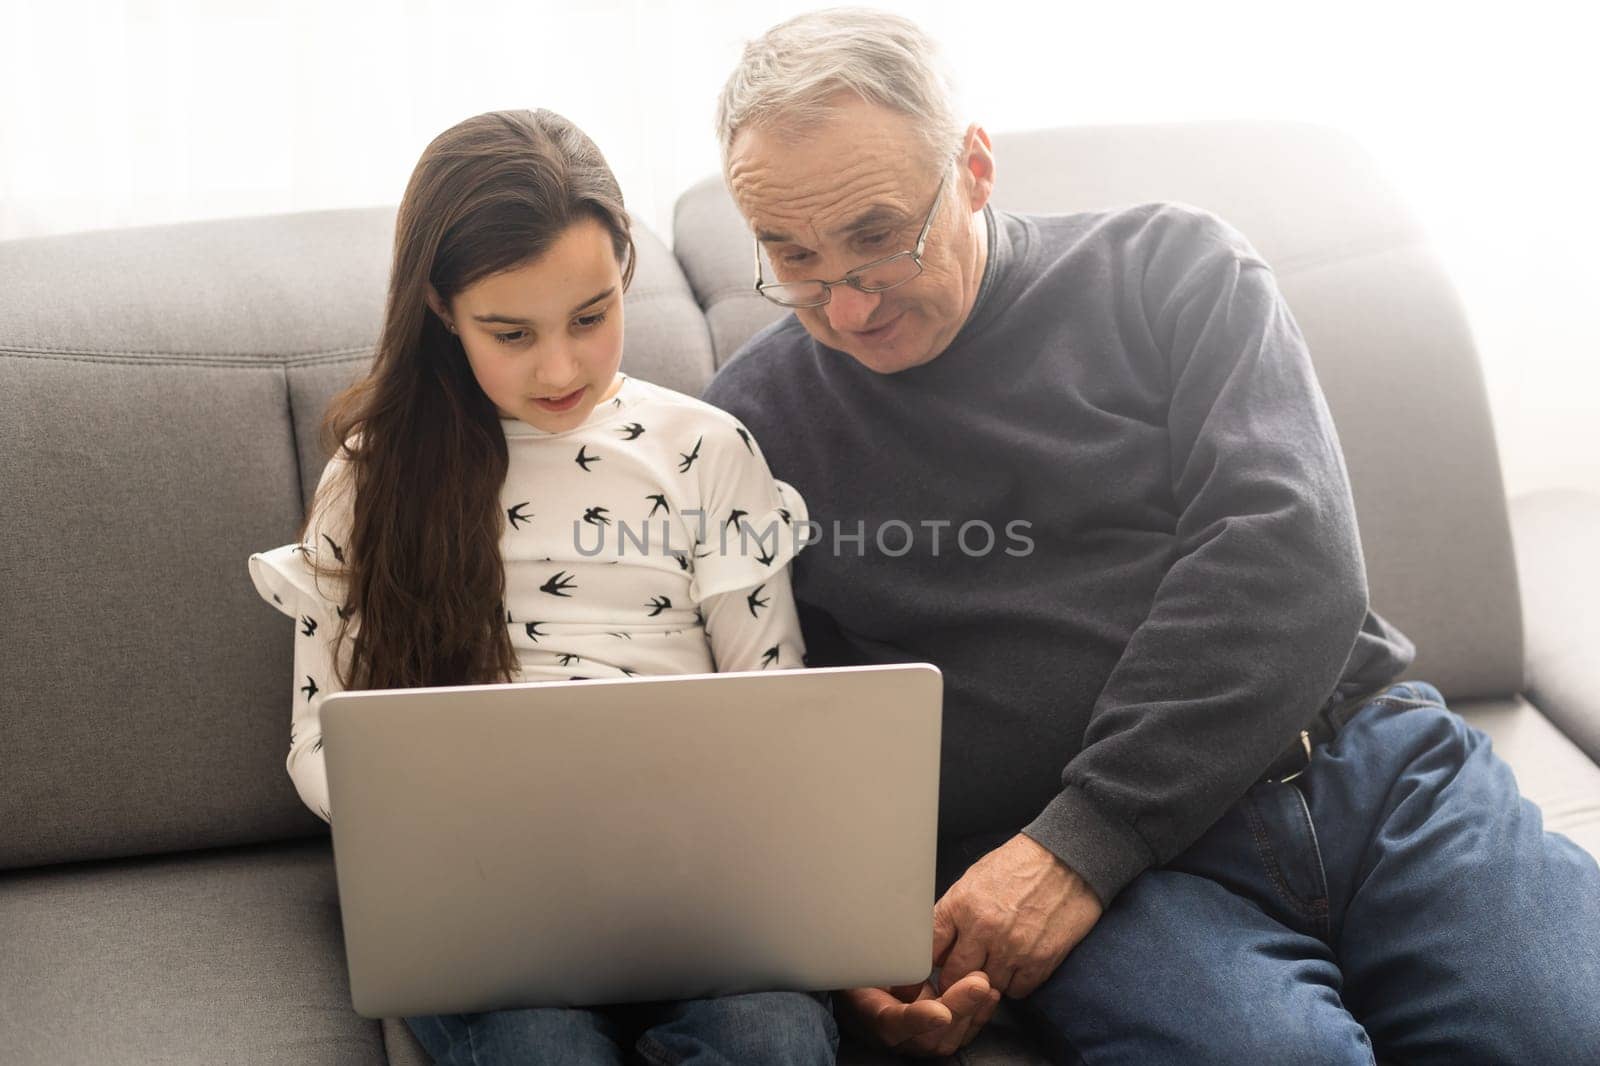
(232, 955)
(1551, 770)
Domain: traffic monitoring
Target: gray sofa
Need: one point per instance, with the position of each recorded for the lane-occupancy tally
(165, 898)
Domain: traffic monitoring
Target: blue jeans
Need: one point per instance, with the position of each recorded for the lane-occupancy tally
(756, 1028)
(1398, 900)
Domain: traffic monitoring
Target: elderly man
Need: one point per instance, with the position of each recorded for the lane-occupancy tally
(1082, 464)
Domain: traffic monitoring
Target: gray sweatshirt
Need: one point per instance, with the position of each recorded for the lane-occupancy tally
(1115, 514)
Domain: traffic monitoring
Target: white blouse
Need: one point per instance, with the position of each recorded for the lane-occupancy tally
(650, 539)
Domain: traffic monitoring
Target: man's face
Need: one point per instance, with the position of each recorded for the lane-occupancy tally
(854, 189)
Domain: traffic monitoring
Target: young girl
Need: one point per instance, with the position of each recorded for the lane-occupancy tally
(506, 505)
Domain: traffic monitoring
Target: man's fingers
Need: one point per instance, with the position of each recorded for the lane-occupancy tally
(942, 1040)
(967, 995)
(981, 1019)
(894, 1022)
(1025, 981)
(1001, 976)
(965, 957)
(944, 931)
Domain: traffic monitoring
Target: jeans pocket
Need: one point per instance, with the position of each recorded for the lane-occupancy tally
(1286, 844)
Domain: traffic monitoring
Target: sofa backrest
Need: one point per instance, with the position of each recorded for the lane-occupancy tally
(161, 391)
(1385, 329)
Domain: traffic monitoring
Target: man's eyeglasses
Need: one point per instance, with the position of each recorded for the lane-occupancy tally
(876, 276)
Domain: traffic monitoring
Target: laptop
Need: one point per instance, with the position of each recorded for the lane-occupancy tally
(612, 841)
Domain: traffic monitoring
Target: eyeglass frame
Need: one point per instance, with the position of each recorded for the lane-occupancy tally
(850, 278)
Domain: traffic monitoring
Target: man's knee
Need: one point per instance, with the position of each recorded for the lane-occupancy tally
(1204, 1032)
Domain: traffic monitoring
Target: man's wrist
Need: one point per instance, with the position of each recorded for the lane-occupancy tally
(1101, 849)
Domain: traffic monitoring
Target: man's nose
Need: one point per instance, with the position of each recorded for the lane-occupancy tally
(850, 309)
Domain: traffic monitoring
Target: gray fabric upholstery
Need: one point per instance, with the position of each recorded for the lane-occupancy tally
(1385, 331)
(161, 394)
(145, 688)
(1551, 770)
(226, 956)
(1557, 534)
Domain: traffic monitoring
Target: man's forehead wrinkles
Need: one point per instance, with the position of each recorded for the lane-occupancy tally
(823, 209)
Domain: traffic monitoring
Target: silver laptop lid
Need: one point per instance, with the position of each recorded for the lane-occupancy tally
(591, 842)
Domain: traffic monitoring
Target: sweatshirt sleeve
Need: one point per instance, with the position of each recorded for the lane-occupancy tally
(1266, 593)
(284, 579)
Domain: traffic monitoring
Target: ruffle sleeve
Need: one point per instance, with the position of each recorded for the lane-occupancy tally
(752, 524)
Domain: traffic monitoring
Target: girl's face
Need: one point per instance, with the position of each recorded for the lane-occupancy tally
(544, 339)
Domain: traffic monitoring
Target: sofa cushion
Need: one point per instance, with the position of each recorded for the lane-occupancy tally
(1550, 769)
(145, 690)
(227, 956)
(1557, 535)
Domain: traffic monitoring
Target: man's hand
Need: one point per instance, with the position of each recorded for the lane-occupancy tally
(914, 1020)
(1015, 914)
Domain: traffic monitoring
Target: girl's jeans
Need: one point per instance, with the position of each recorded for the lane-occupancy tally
(743, 1030)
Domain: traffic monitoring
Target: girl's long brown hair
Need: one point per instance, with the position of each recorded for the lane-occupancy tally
(426, 456)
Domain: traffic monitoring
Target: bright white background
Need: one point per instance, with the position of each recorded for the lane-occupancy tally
(147, 111)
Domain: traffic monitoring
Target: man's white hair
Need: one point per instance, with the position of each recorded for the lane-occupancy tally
(787, 76)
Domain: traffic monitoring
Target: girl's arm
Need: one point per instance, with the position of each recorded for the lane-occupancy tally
(755, 628)
(282, 580)
(751, 533)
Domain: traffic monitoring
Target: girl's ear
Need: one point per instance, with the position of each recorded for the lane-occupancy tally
(437, 304)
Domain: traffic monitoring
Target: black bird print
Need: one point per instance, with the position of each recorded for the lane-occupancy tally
(316, 745)
(341, 611)
(734, 516)
(616, 401)
(754, 602)
(338, 552)
(659, 505)
(532, 629)
(309, 623)
(746, 438)
(783, 513)
(621, 636)
(303, 549)
(326, 816)
(764, 559)
(596, 516)
(276, 598)
(632, 429)
(509, 619)
(310, 687)
(702, 555)
(690, 457)
(682, 558)
(568, 660)
(516, 515)
(626, 672)
(584, 460)
(769, 657)
(658, 604)
(558, 584)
